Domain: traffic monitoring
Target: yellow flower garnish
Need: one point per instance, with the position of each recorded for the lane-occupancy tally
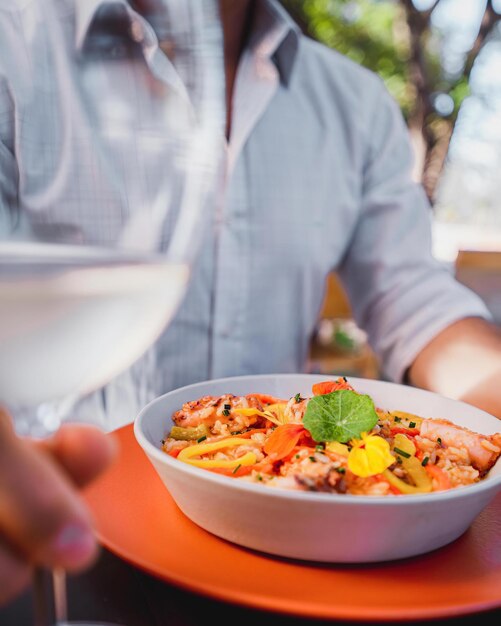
(369, 455)
(274, 412)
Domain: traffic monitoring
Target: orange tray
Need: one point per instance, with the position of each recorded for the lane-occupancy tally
(137, 519)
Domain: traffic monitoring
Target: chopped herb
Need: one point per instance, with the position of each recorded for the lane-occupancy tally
(412, 424)
(320, 447)
(339, 416)
(340, 470)
(345, 379)
(200, 439)
(297, 456)
(163, 441)
(439, 441)
(226, 412)
(227, 406)
(313, 459)
(236, 468)
(424, 462)
(259, 477)
(297, 398)
(397, 419)
(406, 455)
(399, 460)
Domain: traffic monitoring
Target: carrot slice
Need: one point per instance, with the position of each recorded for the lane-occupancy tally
(328, 386)
(440, 476)
(174, 452)
(283, 439)
(411, 432)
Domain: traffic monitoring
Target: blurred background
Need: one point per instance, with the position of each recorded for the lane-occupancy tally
(441, 60)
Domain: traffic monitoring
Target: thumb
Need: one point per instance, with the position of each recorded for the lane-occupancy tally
(42, 517)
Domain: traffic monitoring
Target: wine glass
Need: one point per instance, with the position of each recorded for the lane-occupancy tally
(118, 160)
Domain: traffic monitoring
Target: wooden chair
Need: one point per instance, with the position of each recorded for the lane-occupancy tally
(327, 359)
(480, 270)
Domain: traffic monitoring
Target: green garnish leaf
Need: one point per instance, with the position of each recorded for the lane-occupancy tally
(339, 416)
(402, 453)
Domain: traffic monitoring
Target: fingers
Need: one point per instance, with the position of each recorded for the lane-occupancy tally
(14, 574)
(82, 450)
(43, 520)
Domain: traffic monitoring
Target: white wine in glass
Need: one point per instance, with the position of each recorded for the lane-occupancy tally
(125, 102)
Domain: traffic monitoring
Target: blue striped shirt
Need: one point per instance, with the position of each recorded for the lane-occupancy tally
(318, 177)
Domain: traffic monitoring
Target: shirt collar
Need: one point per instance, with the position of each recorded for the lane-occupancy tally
(140, 30)
(275, 36)
(84, 12)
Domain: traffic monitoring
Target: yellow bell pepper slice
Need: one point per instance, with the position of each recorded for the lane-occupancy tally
(423, 482)
(248, 411)
(401, 442)
(338, 448)
(369, 455)
(189, 434)
(186, 454)
(416, 472)
(407, 417)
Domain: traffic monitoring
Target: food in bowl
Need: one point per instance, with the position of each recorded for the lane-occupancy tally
(299, 523)
(334, 441)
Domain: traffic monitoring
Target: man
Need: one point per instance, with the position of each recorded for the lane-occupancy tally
(318, 177)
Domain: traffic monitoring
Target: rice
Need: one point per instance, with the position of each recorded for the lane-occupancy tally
(437, 454)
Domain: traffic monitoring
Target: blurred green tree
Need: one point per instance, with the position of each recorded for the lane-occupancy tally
(397, 39)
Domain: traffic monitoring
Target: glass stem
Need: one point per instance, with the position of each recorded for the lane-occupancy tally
(60, 599)
(49, 597)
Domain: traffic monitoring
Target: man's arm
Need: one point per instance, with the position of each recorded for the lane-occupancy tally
(464, 362)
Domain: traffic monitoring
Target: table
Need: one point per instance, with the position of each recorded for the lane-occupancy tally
(115, 591)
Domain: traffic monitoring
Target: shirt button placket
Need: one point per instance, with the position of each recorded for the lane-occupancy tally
(231, 259)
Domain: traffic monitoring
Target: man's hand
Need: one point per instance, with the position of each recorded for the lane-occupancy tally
(43, 520)
(463, 362)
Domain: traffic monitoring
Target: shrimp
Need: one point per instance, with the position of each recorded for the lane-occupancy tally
(209, 409)
(483, 450)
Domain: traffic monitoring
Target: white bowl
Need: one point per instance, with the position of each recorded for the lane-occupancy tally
(322, 527)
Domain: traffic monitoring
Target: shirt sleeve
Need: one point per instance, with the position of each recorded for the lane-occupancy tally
(400, 294)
